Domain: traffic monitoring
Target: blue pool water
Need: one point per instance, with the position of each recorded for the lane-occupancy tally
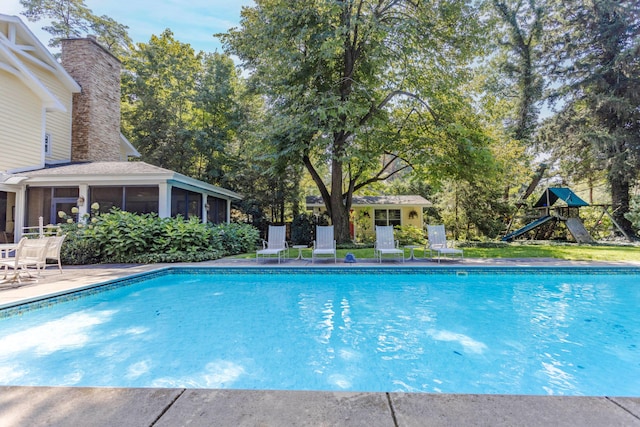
(568, 332)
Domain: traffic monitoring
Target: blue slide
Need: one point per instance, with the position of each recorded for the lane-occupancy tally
(537, 223)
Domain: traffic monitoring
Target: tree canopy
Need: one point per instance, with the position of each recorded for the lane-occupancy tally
(348, 95)
(369, 88)
(593, 57)
(72, 18)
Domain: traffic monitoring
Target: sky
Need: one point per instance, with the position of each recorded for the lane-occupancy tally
(191, 21)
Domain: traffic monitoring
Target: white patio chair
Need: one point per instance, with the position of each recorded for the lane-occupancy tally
(325, 244)
(385, 245)
(276, 245)
(438, 242)
(53, 250)
(29, 253)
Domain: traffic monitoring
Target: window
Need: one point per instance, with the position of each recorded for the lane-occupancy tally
(47, 144)
(387, 217)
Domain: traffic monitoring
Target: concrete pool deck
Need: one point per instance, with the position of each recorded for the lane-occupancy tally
(76, 406)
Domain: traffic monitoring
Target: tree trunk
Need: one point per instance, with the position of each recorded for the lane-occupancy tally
(339, 210)
(340, 220)
(620, 201)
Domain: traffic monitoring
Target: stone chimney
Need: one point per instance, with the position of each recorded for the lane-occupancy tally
(95, 133)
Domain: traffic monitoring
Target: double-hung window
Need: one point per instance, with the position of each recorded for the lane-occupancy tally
(387, 217)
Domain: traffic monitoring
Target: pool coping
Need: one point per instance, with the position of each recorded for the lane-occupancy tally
(69, 406)
(170, 407)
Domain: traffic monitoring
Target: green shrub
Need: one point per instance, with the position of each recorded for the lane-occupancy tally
(79, 250)
(170, 257)
(124, 237)
(122, 234)
(634, 213)
(364, 226)
(409, 235)
(354, 245)
(235, 238)
(303, 228)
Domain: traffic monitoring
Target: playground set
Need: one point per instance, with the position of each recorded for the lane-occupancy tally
(556, 205)
(550, 214)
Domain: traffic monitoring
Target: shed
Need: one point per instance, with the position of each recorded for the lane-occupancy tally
(368, 211)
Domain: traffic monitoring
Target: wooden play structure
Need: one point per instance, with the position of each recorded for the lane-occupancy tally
(556, 205)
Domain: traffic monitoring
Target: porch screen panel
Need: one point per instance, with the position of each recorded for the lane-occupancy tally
(217, 210)
(141, 199)
(185, 203)
(107, 198)
(66, 192)
(38, 205)
(195, 205)
(3, 211)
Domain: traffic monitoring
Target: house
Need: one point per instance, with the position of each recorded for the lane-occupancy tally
(369, 211)
(60, 140)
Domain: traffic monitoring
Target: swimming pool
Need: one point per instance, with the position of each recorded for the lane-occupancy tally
(438, 330)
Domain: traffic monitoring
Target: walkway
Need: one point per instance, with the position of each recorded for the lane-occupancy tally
(72, 406)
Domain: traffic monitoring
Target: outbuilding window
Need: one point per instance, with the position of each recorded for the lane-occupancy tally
(387, 217)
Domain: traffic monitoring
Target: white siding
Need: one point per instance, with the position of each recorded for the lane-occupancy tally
(58, 124)
(21, 125)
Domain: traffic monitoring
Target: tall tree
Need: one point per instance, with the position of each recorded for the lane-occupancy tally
(218, 117)
(112, 35)
(69, 18)
(72, 18)
(519, 60)
(348, 78)
(594, 58)
(159, 88)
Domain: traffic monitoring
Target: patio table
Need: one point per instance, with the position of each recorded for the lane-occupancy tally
(6, 248)
(300, 248)
(412, 247)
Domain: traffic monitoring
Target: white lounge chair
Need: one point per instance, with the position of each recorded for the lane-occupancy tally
(438, 242)
(276, 245)
(325, 244)
(29, 253)
(385, 245)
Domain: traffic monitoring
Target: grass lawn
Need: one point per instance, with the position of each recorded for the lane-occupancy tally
(568, 252)
(517, 250)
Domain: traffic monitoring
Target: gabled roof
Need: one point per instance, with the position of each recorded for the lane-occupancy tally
(119, 173)
(128, 147)
(375, 200)
(19, 46)
(552, 194)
